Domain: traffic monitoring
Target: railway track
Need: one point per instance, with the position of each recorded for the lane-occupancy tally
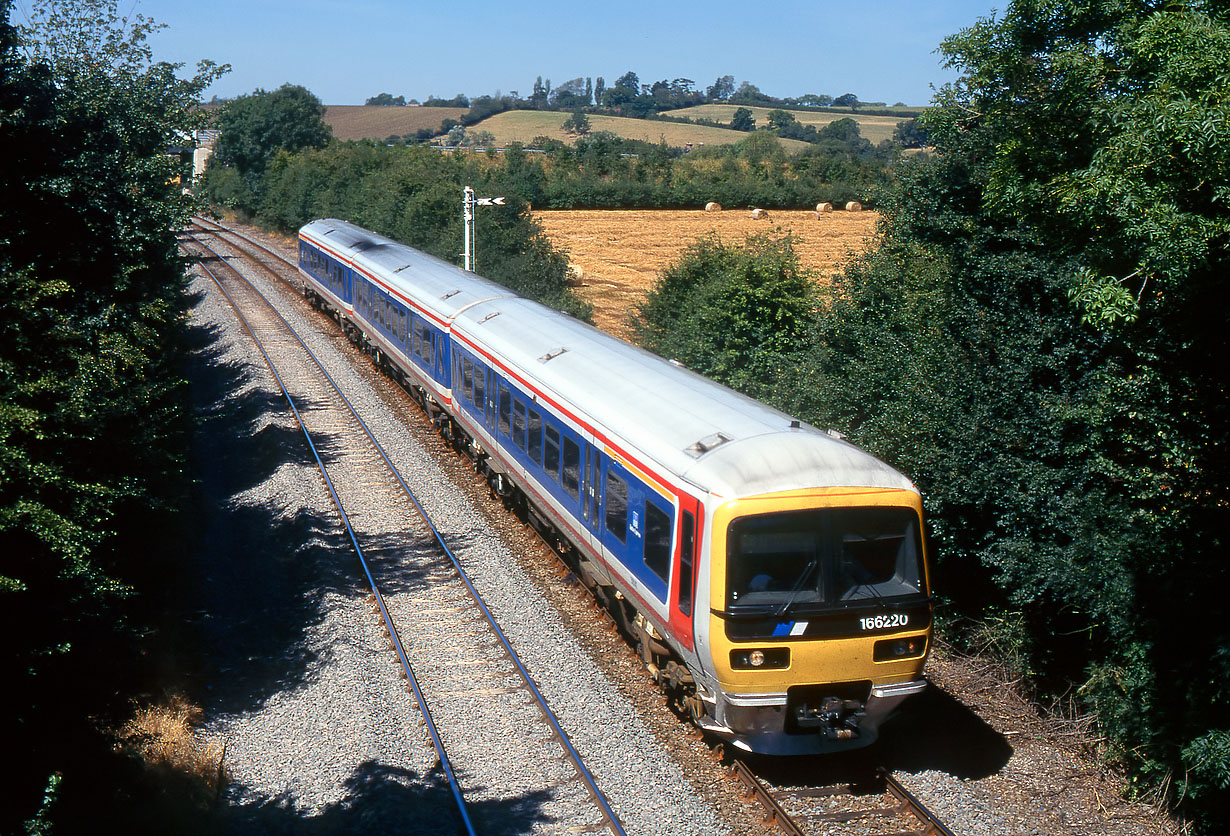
(492, 732)
(882, 807)
(878, 806)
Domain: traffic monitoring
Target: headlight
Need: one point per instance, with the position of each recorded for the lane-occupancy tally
(774, 658)
(891, 650)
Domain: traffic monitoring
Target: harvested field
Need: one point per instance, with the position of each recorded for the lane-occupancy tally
(525, 125)
(378, 122)
(873, 128)
(620, 251)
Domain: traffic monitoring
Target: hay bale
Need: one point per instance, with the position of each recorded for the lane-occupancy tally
(574, 276)
(759, 214)
(822, 208)
(854, 206)
(713, 206)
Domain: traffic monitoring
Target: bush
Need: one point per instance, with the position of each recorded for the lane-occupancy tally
(730, 312)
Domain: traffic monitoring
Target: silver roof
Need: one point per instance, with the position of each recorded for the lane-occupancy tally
(688, 425)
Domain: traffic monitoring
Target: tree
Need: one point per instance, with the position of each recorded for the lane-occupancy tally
(910, 134)
(722, 89)
(577, 124)
(780, 119)
(742, 120)
(255, 127)
(846, 100)
(386, 100)
(571, 94)
(748, 93)
(599, 89)
(630, 82)
(1052, 379)
(92, 410)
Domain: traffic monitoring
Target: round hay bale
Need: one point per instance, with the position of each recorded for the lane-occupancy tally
(854, 206)
(759, 214)
(713, 206)
(822, 208)
(574, 276)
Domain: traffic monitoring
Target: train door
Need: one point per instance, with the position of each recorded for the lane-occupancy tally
(591, 492)
(683, 570)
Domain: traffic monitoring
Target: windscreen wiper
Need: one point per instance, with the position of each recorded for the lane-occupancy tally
(797, 588)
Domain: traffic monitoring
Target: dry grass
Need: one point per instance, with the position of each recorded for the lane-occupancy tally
(164, 737)
(363, 122)
(874, 128)
(524, 125)
(621, 251)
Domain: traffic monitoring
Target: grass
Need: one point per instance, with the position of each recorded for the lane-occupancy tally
(364, 122)
(874, 128)
(353, 122)
(525, 125)
(163, 737)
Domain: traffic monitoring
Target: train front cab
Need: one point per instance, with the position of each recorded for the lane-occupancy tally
(820, 616)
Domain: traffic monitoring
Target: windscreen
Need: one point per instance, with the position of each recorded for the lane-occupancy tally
(823, 557)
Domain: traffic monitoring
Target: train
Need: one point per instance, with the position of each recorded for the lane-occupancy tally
(773, 576)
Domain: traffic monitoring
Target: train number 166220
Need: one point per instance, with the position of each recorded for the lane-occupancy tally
(880, 622)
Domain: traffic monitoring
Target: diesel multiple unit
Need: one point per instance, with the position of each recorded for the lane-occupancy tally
(772, 575)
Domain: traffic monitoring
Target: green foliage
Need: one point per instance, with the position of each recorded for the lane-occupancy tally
(603, 170)
(414, 195)
(386, 100)
(742, 120)
(254, 129)
(91, 402)
(909, 134)
(1037, 339)
(577, 124)
(730, 312)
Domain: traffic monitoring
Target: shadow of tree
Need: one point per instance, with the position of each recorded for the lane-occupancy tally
(385, 799)
(257, 575)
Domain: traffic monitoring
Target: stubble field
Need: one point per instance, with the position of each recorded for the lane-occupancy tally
(621, 251)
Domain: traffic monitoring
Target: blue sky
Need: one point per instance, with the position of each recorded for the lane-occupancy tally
(345, 51)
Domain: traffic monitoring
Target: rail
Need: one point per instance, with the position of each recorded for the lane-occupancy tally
(609, 816)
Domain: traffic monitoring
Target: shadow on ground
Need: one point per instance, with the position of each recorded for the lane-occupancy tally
(932, 731)
(384, 799)
(256, 577)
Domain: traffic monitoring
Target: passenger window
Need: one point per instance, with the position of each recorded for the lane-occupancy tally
(572, 468)
(417, 337)
(505, 409)
(518, 430)
(467, 378)
(657, 540)
(687, 548)
(480, 388)
(535, 439)
(617, 507)
(550, 452)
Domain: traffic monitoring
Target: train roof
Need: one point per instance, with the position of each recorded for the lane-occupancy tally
(699, 430)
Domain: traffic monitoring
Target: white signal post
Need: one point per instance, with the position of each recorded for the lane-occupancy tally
(468, 202)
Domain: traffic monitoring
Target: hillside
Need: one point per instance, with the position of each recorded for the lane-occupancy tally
(363, 122)
(354, 122)
(874, 128)
(524, 125)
